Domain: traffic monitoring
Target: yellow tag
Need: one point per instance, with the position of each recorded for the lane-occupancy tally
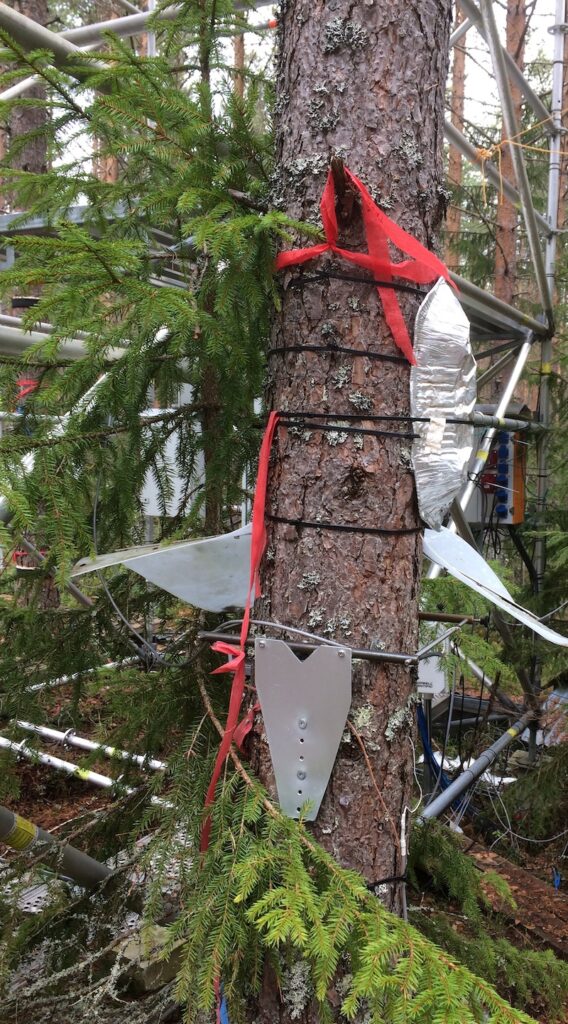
(22, 834)
(82, 773)
(546, 368)
(481, 455)
(512, 731)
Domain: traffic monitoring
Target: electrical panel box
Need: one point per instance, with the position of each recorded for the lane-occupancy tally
(499, 497)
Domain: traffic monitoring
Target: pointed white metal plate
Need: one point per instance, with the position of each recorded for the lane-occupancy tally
(464, 563)
(211, 573)
(305, 706)
(442, 388)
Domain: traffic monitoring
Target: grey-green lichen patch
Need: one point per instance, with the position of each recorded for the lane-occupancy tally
(309, 581)
(341, 33)
(358, 440)
(403, 716)
(335, 437)
(315, 618)
(405, 457)
(361, 401)
(297, 989)
(341, 377)
(339, 624)
(353, 303)
(363, 717)
(412, 151)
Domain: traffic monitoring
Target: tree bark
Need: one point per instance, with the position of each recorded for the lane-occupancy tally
(506, 224)
(26, 119)
(455, 159)
(365, 82)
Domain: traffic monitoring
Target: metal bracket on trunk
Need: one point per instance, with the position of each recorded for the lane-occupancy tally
(305, 706)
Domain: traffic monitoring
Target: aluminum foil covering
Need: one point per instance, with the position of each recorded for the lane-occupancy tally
(442, 387)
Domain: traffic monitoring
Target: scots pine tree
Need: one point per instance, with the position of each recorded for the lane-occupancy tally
(275, 917)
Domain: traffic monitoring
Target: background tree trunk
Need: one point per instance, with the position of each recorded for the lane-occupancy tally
(365, 82)
(506, 223)
(455, 159)
(25, 119)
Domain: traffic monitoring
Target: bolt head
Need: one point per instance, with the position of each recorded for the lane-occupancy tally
(302, 723)
(301, 774)
(341, 654)
(262, 643)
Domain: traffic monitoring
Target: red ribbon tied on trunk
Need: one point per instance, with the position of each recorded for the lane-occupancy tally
(423, 267)
(235, 731)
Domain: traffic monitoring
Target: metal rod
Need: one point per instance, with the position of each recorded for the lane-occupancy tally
(554, 170)
(491, 172)
(364, 655)
(70, 587)
(490, 303)
(440, 639)
(65, 680)
(486, 681)
(16, 340)
(460, 32)
(471, 774)
(25, 837)
(493, 371)
(30, 35)
(484, 447)
(68, 768)
(70, 738)
(514, 72)
(471, 620)
(517, 157)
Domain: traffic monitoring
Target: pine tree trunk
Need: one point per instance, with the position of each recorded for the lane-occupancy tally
(455, 159)
(366, 82)
(506, 233)
(25, 119)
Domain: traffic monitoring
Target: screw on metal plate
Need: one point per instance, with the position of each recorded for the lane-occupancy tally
(293, 693)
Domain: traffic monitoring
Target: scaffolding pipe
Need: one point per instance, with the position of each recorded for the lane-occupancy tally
(554, 170)
(493, 371)
(30, 35)
(65, 680)
(484, 447)
(23, 836)
(460, 31)
(15, 340)
(68, 768)
(490, 303)
(491, 172)
(70, 738)
(514, 72)
(471, 774)
(486, 681)
(517, 158)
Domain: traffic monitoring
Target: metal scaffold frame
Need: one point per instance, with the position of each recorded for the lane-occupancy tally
(492, 320)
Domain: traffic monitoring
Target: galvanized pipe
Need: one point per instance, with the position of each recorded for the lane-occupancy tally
(30, 35)
(514, 72)
(554, 169)
(517, 158)
(364, 655)
(459, 140)
(68, 768)
(70, 738)
(65, 680)
(25, 837)
(15, 340)
(490, 303)
(471, 774)
(460, 32)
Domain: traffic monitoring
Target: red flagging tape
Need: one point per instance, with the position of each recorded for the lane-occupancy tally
(423, 266)
(235, 731)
